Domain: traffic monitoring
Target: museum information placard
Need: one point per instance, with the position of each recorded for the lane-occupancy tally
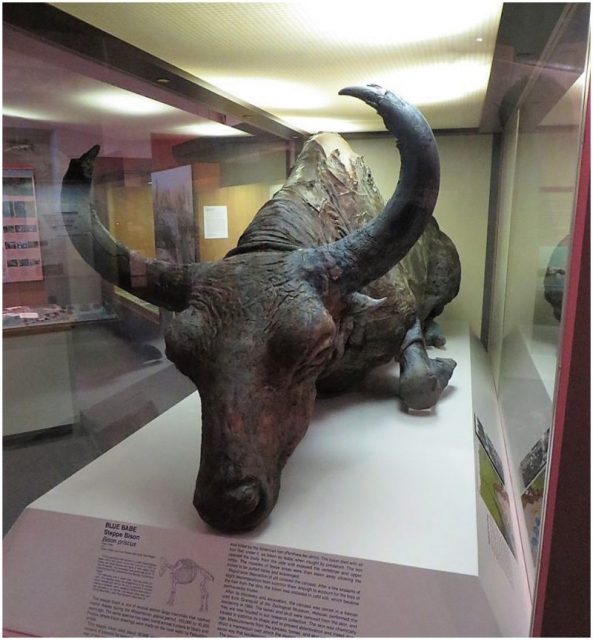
(67, 575)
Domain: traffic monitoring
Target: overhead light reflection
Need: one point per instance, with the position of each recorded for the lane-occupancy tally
(210, 129)
(271, 93)
(439, 82)
(313, 124)
(18, 112)
(383, 22)
(121, 101)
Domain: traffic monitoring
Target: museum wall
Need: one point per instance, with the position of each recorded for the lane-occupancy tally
(242, 180)
(244, 183)
(128, 207)
(242, 203)
(462, 207)
(501, 259)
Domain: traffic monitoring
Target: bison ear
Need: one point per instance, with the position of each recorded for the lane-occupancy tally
(360, 303)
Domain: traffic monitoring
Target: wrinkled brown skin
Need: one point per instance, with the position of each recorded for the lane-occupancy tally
(282, 314)
(338, 195)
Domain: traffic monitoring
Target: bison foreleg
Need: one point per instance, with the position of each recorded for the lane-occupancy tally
(433, 334)
(422, 379)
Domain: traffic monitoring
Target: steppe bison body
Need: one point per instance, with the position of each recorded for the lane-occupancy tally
(326, 283)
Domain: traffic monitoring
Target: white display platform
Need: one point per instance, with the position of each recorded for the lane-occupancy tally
(369, 481)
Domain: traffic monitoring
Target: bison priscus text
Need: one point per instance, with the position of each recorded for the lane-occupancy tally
(326, 283)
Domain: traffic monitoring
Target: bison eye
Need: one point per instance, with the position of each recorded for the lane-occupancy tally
(321, 352)
(315, 359)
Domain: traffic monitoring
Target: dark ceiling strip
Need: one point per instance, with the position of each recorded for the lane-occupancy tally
(529, 69)
(56, 27)
(562, 63)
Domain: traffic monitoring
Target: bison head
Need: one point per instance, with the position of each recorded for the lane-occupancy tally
(254, 330)
(253, 340)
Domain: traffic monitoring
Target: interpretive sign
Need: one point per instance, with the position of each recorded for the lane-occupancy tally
(216, 222)
(68, 575)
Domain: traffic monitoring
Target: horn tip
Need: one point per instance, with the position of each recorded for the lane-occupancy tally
(371, 93)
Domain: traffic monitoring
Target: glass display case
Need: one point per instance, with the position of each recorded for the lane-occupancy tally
(543, 153)
(83, 357)
(451, 510)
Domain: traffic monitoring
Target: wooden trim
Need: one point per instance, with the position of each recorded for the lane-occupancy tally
(33, 329)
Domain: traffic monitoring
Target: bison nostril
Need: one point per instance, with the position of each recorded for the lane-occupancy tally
(245, 498)
(237, 506)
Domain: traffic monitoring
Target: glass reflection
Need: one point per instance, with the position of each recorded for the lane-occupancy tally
(543, 160)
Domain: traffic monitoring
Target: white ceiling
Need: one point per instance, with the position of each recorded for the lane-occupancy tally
(291, 58)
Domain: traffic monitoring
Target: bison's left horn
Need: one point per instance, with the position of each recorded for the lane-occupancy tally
(161, 283)
(367, 254)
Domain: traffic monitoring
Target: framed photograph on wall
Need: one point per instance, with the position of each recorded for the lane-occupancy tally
(22, 252)
(174, 220)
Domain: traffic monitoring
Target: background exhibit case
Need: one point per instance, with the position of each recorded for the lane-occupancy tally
(452, 522)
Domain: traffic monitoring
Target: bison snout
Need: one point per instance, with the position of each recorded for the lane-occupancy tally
(240, 507)
(246, 497)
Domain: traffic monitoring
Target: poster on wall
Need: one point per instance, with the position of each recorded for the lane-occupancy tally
(174, 221)
(22, 252)
(533, 475)
(493, 489)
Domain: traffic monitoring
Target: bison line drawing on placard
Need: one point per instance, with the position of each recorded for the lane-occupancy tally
(185, 571)
(326, 283)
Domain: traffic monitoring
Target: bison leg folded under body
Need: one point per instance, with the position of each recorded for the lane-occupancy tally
(433, 334)
(422, 379)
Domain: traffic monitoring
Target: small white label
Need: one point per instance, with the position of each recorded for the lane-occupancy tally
(216, 223)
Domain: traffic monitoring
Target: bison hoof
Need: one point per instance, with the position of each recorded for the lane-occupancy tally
(422, 390)
(433, 336)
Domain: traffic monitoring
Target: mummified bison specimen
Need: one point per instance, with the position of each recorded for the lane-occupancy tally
(309, 299)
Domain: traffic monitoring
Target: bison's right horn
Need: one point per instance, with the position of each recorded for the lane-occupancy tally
(361, 303)
(161, 283)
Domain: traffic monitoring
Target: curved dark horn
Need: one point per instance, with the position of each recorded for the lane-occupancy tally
(367, 254)
(161, 283)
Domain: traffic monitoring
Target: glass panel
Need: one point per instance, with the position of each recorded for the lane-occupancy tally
(84, 361)
(539, 178)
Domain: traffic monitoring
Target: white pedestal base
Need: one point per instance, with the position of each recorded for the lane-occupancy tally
(369, 481)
